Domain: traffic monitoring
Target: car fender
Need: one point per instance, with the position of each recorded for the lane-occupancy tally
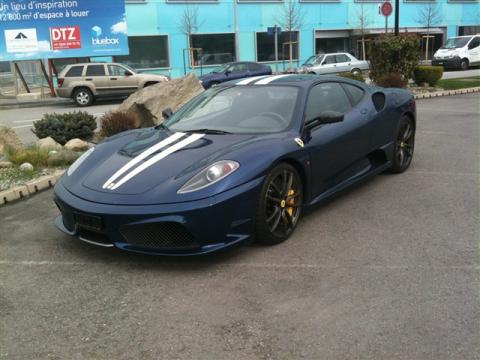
(83, 84)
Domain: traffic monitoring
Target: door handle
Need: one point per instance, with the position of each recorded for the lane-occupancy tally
(363, 111)
(88, 79)
(113, 79)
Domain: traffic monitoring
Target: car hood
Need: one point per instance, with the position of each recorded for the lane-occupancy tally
(152, 76)
(211, 76)
(158, 176)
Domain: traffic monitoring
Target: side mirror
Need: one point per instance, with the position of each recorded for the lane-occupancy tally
(326, 117)
(127, 73)
(227, 72)
(167, 113)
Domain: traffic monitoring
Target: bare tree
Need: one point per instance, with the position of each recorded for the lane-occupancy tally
(428, 16)
(363, 22)
(291, 19)
(189, 25)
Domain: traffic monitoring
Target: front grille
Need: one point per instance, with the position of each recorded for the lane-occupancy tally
(164, 235)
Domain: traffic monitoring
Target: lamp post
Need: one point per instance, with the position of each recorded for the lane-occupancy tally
(235, 25)
(397, 15)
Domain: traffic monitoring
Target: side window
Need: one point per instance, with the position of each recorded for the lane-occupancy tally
(355, 92)
(474, 43)
(330, 59)
(96, 70)
(238, 68)
(341, 58)
(74, 71)
(115, 70)
(326, 97)
(254, 67)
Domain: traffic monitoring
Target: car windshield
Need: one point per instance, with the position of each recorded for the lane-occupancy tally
(454, 43)
(238, 110)
(129, 68)
(312, 60)
(221, 68)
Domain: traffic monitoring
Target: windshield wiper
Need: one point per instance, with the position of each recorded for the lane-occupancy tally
(162, 126)
(209, 131)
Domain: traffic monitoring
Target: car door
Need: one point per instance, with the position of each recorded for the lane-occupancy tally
(337, 151)
(122, 81)
(474, 51)
(342, 62)
(237, 71)
(96, 74)
(329, 65)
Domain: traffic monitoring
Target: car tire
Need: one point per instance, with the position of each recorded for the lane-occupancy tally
(83, 97)
(464, 64)
(404, 145)
(356, 71)
(280, 205)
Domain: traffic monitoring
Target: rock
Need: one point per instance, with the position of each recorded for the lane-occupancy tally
(62, 158)
(52, 152)
(26, 167)
(5, 164)
(48, 144)
(9, 139)
(152, 100)
(76, 145)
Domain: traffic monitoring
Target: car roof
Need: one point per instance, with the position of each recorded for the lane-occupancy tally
(300, 80)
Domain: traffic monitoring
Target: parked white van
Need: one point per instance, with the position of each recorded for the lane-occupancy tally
(459, 52)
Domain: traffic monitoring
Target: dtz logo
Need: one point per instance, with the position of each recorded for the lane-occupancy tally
(66, 37)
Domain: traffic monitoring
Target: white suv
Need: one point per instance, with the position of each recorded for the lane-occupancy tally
(333, 63)
(459, 52)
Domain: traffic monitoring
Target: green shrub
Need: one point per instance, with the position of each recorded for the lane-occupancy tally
(394, 54)
(114, 122)
(64, 127)
(427, 74)
(392, 80)
(349, 75)
(33, 155)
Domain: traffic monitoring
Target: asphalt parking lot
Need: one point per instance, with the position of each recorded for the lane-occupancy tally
(388, 270)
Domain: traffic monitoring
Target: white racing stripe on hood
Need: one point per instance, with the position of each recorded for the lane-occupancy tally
(141, 156)
(270, 79)
(157, 158)
(251, 79)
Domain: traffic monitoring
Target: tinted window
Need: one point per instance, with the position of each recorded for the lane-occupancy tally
(74, 71)
(330, 59)
(238, 68)
(254, 67)
(474, 43)
(355, 92)
(115, 70)
(96, 70)
(324, 97)
(342, 58)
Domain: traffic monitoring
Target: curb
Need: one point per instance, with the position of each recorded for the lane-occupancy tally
(30, 188)
(30, 104)
(447, 93)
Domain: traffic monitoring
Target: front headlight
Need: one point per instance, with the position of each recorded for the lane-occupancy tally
(79, 161)
(209, 176)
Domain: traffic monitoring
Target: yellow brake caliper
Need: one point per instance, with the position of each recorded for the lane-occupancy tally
(290, 202)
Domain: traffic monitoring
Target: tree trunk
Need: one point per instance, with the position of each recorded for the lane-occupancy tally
(426, 44)
(363, 47)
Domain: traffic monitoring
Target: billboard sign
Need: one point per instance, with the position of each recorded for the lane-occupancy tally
(41, 29)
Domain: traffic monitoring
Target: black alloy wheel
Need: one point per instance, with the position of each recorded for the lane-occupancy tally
(404, 145)
(464, 64)
(280, 205)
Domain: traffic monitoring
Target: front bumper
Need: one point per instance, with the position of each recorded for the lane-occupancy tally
(447, 62)
(64, 92)
(189, 228)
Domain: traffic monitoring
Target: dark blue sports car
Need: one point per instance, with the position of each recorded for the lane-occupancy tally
(240, 161)
(234, 71)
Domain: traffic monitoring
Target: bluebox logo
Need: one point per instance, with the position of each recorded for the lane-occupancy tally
(97, 41)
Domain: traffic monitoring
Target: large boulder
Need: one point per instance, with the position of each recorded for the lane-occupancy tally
(155, 98)
(48, 144)
(9, 139)
(76, 145)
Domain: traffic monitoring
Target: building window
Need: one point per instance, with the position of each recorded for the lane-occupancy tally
(146, 52)
(266, 46)
(213, 49)
(331, 45)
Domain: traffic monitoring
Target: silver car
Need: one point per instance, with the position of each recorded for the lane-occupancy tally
(86, 82)
(333, 63)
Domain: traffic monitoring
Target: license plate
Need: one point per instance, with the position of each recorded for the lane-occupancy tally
(90, 222)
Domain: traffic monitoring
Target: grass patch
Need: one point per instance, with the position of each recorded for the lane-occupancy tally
(462, 83)
(13, 176)
(32, 155)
